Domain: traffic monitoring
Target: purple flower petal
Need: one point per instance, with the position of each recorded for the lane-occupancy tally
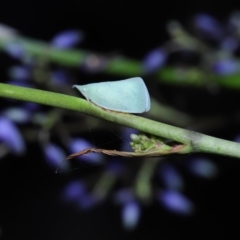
(125, 135)
(237, 139)
(130, 215)
(59, 77)
(87, 201)
(18, 115)
(78, 144)
(19, 72)
(31, 106)
(123, 196)
(67, 39)
(55, 156)
(226, 67)
(171, 177)
(154, 60)
(11, 136)
(176, 202)
(208, 26)
(230, 44)
(20, 83)
(203, 168)
(73, 191)
(115, 167)
(15, 50)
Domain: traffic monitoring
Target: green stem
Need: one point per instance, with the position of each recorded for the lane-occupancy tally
(198, 142)
(119, 65)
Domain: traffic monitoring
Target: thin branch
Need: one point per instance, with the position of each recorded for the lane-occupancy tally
(196, 142)
(117, 65)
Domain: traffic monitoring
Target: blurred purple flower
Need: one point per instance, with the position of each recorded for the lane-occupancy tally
(14, 49)
(59, 77)
(154, 60)
(115, 167)
(30, 106)
(130, 215)
(226, 67)
(18, 115)
(203, 167)
(125, 136)
(19, 72)
(171, 177)
(67, 39)
(11, 136)
(229, 44)
(208, 26)
(73, 191)
(55, 156)
(237, 139)
(176, 202)
(87, 201)
(78, 144)
(20, 83)
(123, 196)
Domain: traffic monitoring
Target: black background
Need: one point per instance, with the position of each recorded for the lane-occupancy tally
(29, 203)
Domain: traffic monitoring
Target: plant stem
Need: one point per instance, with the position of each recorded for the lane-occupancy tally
(119, 65)
(198, 142)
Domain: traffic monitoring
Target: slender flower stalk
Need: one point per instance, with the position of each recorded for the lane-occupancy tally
(21, 47)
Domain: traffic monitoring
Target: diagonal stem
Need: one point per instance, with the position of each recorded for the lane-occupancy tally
(198, 142)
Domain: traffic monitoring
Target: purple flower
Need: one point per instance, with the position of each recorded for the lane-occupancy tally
(208, 26)
(171, 177)
(73, 191)
(14, 49)
(226, 66)
(237, 139)
(11, 136)
(203, 167)
(20, 83)
(176, 202)
(55, 156)
(230, 44)
(87, 201)
(125, 136)
(130, 215)
(59, 77)
(154, 60)
(115, 167)
(67, 39)
(123, 196)
(18, 115)
(19, 73)
(30, 106)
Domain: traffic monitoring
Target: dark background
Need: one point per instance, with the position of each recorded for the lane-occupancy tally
(29, 202)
